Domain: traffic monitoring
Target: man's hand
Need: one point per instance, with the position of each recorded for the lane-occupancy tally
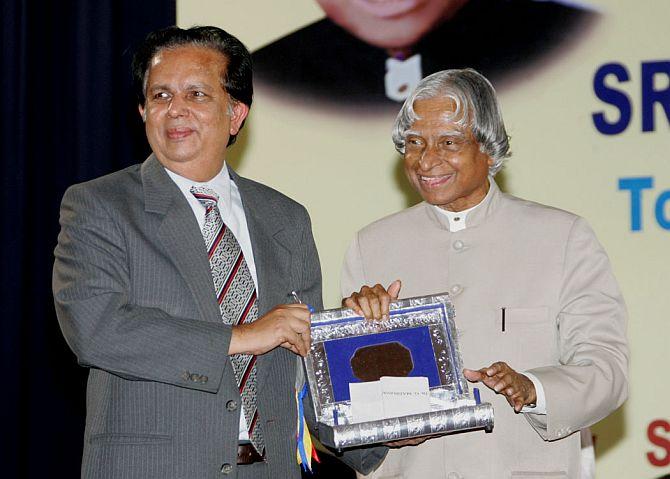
(517, 388)
(373, 302)
(286, 325)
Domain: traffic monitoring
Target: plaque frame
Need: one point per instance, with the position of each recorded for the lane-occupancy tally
(425, 325)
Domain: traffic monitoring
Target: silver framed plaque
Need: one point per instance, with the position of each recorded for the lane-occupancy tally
(419, 339)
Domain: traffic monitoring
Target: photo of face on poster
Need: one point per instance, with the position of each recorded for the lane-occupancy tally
(373, 52)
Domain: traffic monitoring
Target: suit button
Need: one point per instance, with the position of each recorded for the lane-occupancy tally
(456, 289)
(204, 379)
(226, 468)
(458, 245)
(231, 405)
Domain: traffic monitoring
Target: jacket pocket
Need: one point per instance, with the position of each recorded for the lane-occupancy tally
(529, 316)
(131, 456)
(529, 338)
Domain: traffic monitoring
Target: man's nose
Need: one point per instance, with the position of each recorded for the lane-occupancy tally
(429, 158)
(177, 107)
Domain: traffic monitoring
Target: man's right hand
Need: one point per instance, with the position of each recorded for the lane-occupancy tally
(373, 302)
(286, 325)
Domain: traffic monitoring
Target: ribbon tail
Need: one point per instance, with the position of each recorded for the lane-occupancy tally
(305, 449)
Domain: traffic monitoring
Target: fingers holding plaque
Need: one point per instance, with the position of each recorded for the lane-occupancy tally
(380, 381)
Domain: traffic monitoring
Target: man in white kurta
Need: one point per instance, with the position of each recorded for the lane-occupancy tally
(540, 315)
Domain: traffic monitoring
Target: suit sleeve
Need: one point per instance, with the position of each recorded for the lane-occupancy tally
(106, 331)
(591, 379)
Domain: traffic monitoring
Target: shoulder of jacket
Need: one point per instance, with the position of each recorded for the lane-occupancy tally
(412, 215)
(513, 206)
(114, 182)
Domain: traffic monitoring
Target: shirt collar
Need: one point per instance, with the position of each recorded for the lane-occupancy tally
(457, 219)
(475, 215)
(221, 184)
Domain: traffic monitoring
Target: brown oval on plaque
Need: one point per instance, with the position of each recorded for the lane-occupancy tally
(369, 363)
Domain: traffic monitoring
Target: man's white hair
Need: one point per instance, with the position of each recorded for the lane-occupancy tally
(476, 107)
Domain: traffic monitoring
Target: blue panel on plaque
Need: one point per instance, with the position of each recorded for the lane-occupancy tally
(339, 353)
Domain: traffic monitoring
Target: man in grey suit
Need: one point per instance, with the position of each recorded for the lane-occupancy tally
(540, 315)
(171, 279)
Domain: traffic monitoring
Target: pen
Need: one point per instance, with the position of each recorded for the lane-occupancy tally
(503, 319)
(297, 300)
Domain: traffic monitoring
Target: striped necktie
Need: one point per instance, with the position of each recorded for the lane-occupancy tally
(236, 294)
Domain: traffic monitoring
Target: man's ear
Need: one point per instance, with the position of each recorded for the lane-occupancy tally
(240, 112)
(143, 113)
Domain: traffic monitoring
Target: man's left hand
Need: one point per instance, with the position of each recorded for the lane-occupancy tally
(372, 302)
(517, 388)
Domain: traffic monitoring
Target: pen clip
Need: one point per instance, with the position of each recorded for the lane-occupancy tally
(297, 300)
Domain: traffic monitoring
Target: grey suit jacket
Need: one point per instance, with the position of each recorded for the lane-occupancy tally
(565, 323)
(135, 300)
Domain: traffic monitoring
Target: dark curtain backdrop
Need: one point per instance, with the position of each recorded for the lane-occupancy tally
(67, 115)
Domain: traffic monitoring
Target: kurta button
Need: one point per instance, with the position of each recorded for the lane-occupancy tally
(458, 245)
(226, 468)
(231, 405)
(456, 289)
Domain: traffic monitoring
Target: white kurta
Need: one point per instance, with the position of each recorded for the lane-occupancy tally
(565, 322)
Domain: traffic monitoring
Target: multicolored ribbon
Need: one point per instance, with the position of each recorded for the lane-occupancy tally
(305, 449)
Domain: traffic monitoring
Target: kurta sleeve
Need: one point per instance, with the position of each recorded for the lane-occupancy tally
(591, 379)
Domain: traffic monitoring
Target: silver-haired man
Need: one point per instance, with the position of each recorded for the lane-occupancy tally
(541, 317)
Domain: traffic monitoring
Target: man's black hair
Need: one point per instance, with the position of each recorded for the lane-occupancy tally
(238, 73)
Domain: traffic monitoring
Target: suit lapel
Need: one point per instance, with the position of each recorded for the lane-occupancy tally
(272, 257)
(272, 254)
(180, 235)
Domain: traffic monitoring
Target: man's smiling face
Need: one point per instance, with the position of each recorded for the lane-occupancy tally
(189, 116)
(443, 161)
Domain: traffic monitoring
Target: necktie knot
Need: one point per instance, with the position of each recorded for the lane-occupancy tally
(206, 196)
